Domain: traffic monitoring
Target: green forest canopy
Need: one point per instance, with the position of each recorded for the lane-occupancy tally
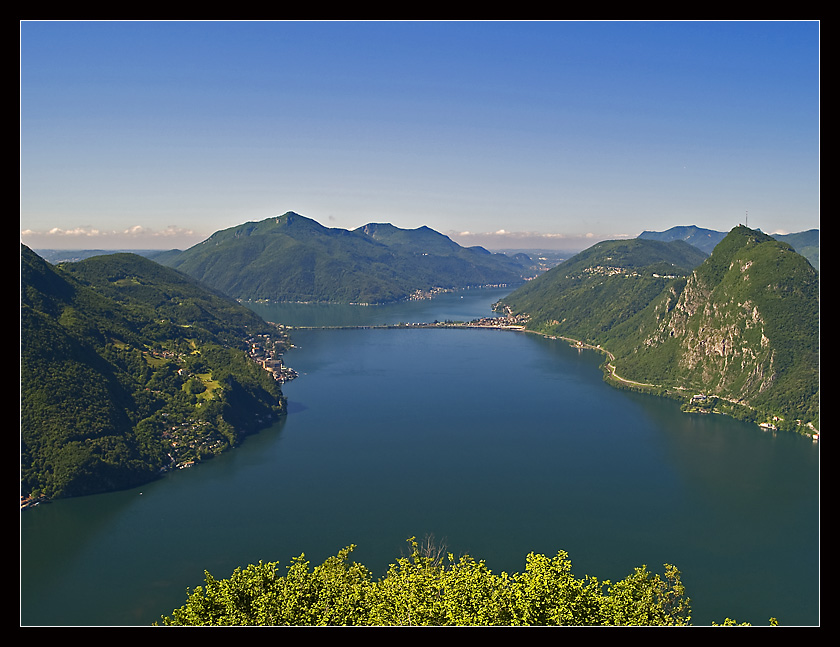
(129, 368)
(430, 588)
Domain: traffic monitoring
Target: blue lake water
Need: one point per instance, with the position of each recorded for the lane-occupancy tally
(498, 443)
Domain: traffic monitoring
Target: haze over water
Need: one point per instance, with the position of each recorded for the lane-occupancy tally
(498, 443)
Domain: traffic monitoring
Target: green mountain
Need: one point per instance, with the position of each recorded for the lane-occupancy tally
(129, 368)
(602, 286)
(806, 243)
(293, 258)
(742, 328)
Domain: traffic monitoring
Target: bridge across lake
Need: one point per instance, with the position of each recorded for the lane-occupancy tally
(412, 326)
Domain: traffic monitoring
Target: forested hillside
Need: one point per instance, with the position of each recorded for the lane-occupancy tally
(806, 243)
(744, 327)
(741, 330)
(129, 368)
(293, 258)
(602, 286)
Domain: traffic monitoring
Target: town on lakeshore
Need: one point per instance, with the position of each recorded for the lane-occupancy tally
(268, 353)
(507, 322)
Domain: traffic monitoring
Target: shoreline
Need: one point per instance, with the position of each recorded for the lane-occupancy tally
(611, 376)
(680, 393)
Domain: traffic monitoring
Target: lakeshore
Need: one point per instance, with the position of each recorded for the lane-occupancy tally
(692, 402)
(393, 435)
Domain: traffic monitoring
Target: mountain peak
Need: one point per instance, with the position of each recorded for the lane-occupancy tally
(424, 238)
(293, 258)
(292, 219)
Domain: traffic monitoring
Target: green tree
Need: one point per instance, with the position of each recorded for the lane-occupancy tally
(429, 588)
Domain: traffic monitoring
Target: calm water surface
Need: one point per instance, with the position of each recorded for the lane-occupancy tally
(498, 443)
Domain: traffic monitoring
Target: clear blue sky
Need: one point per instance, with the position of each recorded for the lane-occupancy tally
(156, 134)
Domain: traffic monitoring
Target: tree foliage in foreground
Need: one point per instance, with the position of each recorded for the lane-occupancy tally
(425, 589)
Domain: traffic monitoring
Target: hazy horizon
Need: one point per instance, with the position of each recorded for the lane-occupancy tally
(493, 241)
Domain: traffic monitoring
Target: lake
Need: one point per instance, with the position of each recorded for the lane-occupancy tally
(496, 442)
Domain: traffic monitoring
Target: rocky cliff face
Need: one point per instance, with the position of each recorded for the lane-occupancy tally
(744, 326)
(723, 346)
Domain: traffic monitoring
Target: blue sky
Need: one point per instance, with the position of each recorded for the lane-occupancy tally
(524, 134)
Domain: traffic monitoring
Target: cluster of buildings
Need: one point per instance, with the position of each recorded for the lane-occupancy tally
(264, 351)
(507, 321)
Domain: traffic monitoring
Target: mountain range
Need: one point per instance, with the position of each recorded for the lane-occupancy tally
(294, 258)
(738, 328)
(806, 243)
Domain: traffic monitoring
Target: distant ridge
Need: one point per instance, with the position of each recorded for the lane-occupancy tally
(294, 258)
(703, 239)
(806, 243)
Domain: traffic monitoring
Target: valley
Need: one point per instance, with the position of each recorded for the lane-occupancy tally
(670, 319)
(393, 432)
(420, 323)
(333, 380)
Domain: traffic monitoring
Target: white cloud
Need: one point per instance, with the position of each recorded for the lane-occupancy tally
(136, 236)
(504, 233)
(505, 239)
(77, 231)
(93, 232)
